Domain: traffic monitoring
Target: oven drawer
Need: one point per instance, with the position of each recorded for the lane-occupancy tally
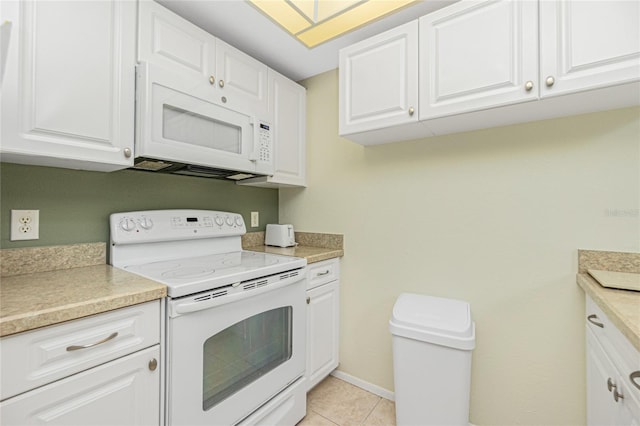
(322, 272)
(35, 358)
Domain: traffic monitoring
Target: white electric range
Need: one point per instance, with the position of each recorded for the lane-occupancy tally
(236, 320)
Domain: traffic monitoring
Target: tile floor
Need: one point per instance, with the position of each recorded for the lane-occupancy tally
(334, 402)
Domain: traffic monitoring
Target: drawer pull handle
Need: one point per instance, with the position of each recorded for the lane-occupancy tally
(90, 345)
(634, 378)
(592, 319)
(308, 300)
(319, 274)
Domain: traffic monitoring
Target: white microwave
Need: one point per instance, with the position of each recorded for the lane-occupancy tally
(179, 129)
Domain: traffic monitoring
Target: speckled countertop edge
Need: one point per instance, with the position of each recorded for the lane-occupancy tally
(621, 306)
(40, 299)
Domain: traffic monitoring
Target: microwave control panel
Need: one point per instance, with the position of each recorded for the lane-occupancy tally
(265, 143)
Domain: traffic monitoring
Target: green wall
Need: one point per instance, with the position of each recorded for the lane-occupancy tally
(75, 205)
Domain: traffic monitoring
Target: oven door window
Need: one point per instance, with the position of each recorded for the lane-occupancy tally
(244, 352)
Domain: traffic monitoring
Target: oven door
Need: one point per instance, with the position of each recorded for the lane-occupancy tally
(225, 361)
(175, 123)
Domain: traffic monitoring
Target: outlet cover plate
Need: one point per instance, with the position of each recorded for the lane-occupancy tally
(25, 225)
(255, 219)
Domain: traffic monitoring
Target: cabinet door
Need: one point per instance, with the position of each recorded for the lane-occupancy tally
(174, 43)
(289, 128)
(122, 392)
(379, 81)
(242, 80)
(323, 311)
(600, 408)
(588, 44)
(68, 93)
(477, 55)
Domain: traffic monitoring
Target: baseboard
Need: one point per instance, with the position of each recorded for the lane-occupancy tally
(370, 387)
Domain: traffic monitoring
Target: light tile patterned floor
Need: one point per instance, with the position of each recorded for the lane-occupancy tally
(334, 402)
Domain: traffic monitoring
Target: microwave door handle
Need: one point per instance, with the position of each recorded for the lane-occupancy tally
(253, 155)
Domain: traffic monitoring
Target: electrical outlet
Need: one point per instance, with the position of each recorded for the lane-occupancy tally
(255, 219)
(25, 225)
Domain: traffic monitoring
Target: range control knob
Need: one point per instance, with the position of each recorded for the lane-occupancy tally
(238, 221)
(219, 221)
(146, 223)
(127, 224)
(229, 221)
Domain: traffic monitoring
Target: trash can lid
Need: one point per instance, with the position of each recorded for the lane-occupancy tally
(445, 322)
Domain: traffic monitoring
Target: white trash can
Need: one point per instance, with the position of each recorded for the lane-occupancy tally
(432, 343)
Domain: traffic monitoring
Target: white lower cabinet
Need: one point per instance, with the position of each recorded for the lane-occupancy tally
(323, 320)
(613, 373)
(122, 392)
(99, 370)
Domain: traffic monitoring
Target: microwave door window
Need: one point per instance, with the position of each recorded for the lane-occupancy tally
(195, 129)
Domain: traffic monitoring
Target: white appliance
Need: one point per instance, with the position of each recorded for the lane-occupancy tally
(236, 320)
(178, 130)
(280, 235)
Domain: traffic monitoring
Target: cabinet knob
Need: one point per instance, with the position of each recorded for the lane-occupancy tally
(127, 152)
(153, 364)
(308, 300)
(212, 80)
(550, 81)
(610, 384)
(221, 83)
(224, 99)
(617, 396)
(528, 85)
(592, 319)
(411, 110)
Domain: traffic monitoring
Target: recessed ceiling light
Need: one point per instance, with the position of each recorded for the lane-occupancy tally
(314, 22)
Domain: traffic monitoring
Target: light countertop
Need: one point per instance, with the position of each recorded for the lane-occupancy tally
(312, 254)
(621, 306)
(33, 300)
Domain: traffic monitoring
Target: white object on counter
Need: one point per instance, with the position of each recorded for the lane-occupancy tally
(621, 280)
(280, 236)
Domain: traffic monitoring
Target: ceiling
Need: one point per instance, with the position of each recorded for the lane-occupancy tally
(244, 27)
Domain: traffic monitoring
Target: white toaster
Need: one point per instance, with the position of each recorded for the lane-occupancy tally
(280, 236)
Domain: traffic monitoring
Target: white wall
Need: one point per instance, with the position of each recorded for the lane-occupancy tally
(494, 217)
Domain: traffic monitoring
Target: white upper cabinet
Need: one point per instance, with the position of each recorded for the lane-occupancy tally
(379, 81)
(287, 106)
(242, 80)
(475, 55)
(172, 42)
(486, 63)
(588, 44)
(69, 84)
(221, 73)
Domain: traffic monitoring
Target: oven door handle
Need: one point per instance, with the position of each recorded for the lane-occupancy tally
(181, 308)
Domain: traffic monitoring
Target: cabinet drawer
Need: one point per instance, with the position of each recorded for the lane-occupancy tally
(615, 345)
(41, 356)
(323, 272)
